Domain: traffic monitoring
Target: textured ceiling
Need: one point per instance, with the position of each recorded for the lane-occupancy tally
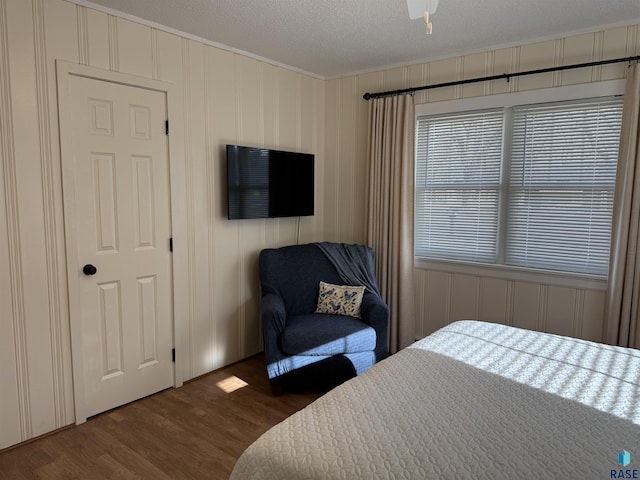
(331, 38)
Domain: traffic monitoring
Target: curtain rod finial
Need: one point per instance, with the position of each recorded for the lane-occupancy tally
(366, 96)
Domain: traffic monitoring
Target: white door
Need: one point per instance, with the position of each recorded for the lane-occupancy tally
(122, 226)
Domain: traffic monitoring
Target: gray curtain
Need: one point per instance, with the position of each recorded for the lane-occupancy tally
(390, 210)
(623, 294)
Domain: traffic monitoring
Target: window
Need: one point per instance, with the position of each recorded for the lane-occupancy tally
(528, 186)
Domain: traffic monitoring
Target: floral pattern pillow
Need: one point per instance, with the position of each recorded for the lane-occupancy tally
(340, 299)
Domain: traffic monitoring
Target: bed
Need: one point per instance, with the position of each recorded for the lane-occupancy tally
(472, 400)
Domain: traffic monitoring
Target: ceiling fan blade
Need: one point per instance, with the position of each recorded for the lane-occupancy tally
(417, 7)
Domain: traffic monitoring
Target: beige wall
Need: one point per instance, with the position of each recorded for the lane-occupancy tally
(446, 296)
(227, 98)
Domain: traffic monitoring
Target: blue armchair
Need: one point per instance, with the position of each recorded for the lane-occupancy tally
(316, 351)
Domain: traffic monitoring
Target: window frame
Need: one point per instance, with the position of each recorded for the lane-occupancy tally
(498, 270)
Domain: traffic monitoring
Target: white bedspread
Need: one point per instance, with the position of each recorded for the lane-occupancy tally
(473, 400)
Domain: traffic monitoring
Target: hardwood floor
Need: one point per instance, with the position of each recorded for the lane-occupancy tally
(194, 432)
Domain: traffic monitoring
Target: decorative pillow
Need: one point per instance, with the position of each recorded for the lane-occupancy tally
(340, 299)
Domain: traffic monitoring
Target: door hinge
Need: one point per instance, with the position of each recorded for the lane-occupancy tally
(166, 127)
(171, 244)
(173, 355)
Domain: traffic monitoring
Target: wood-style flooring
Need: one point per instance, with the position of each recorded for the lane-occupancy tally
(194, 432)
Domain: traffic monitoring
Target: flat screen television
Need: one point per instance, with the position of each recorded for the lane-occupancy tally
(263, 183)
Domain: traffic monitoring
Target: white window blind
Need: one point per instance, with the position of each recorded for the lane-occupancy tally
(562, 179)
(458, 187)
(529, 186)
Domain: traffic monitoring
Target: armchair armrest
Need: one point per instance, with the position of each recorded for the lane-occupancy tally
(375, 313)
(273, 312)
(273, 317)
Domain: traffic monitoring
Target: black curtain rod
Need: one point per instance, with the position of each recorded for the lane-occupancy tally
(505, 76)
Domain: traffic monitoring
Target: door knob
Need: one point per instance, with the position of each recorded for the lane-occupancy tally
(89, 270)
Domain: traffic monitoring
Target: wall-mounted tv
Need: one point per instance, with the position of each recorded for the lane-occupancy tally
(264, 183)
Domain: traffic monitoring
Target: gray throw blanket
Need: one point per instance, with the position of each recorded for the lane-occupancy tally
(352, 263)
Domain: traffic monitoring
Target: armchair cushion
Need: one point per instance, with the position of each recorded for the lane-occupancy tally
(340, 299)
(320, 334)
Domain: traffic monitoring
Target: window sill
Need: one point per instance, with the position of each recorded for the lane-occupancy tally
(506, 272)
